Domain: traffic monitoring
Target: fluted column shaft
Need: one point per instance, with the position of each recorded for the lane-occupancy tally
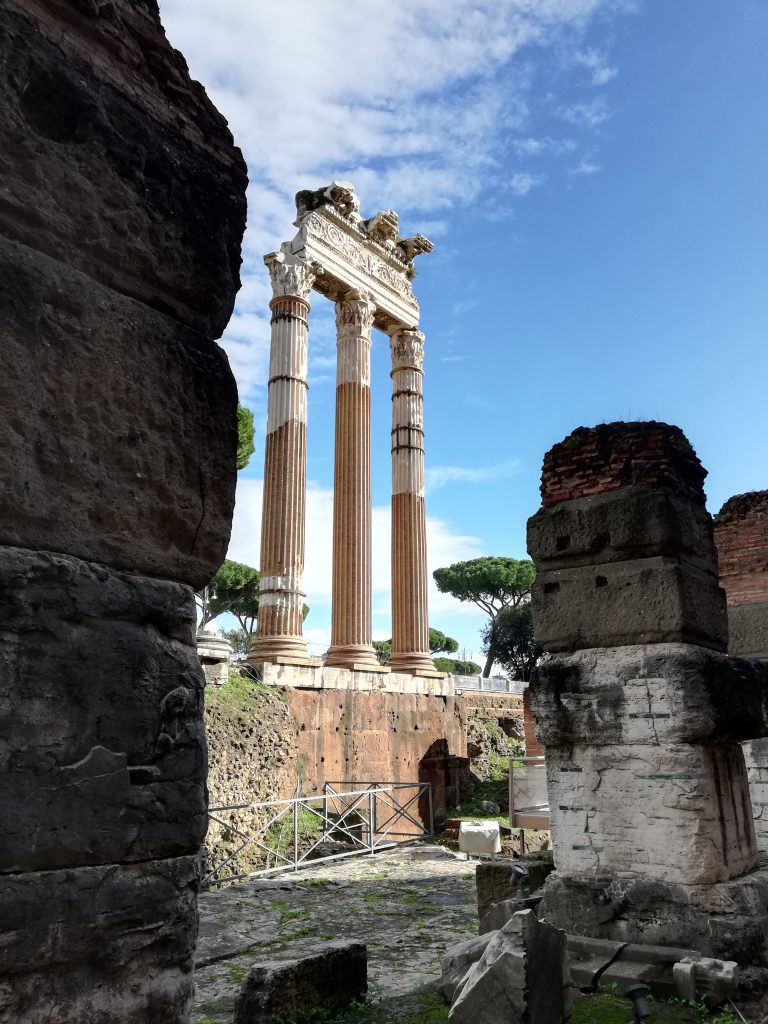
(351, 645)
(281, 594)
(410, 626)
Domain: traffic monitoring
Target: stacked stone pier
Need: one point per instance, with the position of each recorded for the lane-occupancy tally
(741, 535)
(640, 710)
(123, 208)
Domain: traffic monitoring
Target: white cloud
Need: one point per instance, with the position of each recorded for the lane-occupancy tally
(585, 166)
(596, 62)
(439, 476)
(419, 104)
(522, 183)
(589, 114)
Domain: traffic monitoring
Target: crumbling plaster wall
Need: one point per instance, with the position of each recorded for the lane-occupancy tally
(122, 212)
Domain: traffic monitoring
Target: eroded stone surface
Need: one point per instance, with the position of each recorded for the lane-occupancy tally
(106, 758)
(727, 920)
(106, 944)
(648, 694)
(114, 162)
(647, 600)
(145, 478)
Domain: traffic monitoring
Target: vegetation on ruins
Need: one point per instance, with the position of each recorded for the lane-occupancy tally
(245, 431)
(509, 639)
(493, 583)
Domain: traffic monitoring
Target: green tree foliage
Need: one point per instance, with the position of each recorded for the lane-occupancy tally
(439, 642)
(458, 668)
(383, 650)
(509, 638)
(245, 431)
(235, 589)
(492, 583)
(240, 640)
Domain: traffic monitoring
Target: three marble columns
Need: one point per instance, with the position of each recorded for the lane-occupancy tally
(279, 636)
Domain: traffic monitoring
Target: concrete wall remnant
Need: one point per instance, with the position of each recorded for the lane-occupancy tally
(640, 711)
(120, 228)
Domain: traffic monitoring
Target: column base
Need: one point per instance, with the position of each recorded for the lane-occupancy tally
(279, 648)
(355, 656)
(414, 663)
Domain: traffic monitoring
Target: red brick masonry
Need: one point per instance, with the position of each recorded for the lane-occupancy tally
(741, 536)
(592, 460)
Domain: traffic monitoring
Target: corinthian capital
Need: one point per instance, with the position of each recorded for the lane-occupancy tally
(355, 313)
(407, 350)
(290, 275)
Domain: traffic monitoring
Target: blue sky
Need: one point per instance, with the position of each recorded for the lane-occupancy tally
(594, 174)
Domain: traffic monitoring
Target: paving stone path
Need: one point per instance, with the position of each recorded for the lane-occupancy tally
(408, 906)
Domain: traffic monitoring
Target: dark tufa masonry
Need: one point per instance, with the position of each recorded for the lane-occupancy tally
(120, 226)
(741, 535)
(640, 710)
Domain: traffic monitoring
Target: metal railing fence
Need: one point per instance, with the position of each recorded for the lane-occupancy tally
(365, 817)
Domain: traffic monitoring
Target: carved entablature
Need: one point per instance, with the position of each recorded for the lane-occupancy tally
(357, 255)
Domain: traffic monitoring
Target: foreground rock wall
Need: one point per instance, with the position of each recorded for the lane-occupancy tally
(122, 212)
(741, 535)
(638, 707)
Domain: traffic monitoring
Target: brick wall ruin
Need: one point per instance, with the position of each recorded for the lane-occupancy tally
(638, 707)
(120, 224)
(741, 536)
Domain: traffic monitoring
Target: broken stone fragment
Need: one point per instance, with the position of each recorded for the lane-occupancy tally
(522, 975)
(457, 962)
(328, 979)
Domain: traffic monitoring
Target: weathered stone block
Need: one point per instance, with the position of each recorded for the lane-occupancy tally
(521, 976)
(675, 812)
(727, 920)
(328, 978)
(143, 480)
(114, 162)
(496, 881)
(748, 629)
(105, 760)
(645, 601)
(634, 522)
(108, 945)
(648, 694)
(458, 960)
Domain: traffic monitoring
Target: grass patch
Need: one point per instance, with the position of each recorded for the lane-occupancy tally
(239, 694)
(611, 1008)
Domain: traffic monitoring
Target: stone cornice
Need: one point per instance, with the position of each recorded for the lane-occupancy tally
(351, 259)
